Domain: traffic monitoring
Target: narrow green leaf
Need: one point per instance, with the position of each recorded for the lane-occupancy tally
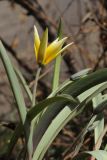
(14, 83)
(101, 106)
(60, 88)
(42, 105)
(80, 74)
(24, 83)
(59, 32)
(98, 154)
(57, 62)
(16, 91)
(83, 84)
(88, 92)
(100, 127)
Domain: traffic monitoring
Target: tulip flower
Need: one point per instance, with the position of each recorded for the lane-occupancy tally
(46, 53)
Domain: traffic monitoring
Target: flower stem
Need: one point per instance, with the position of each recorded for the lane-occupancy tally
(35, 86)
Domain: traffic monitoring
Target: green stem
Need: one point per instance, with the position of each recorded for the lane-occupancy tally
(35, 86)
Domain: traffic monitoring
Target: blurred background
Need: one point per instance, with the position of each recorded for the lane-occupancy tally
(84, 22)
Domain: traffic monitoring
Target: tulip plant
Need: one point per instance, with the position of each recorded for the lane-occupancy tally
(42, 122)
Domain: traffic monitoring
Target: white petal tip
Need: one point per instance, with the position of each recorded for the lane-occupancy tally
(35, 29)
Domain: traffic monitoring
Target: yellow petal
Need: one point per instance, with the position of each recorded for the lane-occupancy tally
(54, 48)
(36, 41)
(53, 43)
(55, 55)
(43, 46)
(36, 53)
(63, 49)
